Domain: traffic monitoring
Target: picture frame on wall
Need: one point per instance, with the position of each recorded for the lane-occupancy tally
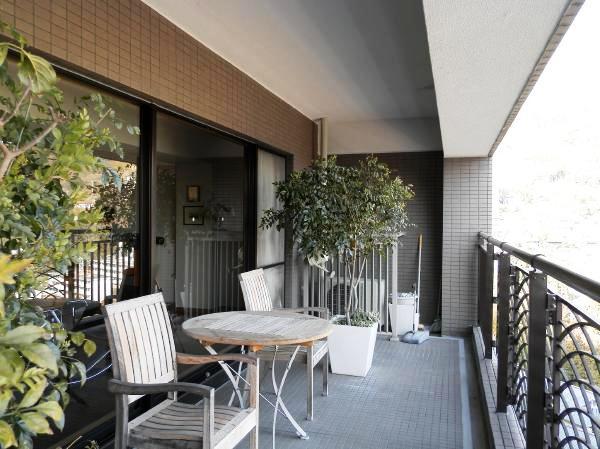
(193, 215)
(192, 194)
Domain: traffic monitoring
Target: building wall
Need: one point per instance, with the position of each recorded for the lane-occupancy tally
(467, 210)
(126, 42)
(385, 136)
(425, 172)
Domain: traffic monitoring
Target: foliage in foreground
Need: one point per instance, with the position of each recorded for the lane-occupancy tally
(45, 153)
(36, 359)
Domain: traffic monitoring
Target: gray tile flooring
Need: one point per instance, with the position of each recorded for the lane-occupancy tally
(414, 397)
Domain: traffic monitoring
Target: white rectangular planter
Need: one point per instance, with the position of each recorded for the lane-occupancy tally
(403, 316)
(351, 349)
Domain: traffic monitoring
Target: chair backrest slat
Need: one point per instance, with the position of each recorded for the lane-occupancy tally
(255, 291)
(141, 340)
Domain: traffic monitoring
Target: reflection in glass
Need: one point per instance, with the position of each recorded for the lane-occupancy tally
(199, 221)
(111, 273)
(274, 277)
(270, 248)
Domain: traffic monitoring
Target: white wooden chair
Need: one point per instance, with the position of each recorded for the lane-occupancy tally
(257, 298)
(145, 362)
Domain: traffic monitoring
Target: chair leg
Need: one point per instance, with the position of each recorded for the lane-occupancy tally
(254, 400)
(121, 431)
(254, 438)
(310, 381)
(325, 367)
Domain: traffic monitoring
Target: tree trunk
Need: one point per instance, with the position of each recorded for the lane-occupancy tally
(354, 280)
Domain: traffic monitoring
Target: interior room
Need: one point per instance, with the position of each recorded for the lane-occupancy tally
(200, 217)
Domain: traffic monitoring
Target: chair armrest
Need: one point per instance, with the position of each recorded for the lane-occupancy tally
(193, 359)
(322, 310)
(120, 387)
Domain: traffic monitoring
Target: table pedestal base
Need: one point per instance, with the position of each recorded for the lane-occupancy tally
(235, 376)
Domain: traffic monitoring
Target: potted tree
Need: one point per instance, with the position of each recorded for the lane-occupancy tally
(349, 211)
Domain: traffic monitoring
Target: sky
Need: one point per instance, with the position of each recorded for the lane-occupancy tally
(547, 168)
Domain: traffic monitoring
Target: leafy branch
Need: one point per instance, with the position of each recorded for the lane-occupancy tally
(332, 209)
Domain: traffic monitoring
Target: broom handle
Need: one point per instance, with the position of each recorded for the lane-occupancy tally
(419, 272)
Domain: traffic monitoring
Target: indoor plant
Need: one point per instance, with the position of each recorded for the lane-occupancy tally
(45, 154)
(350, 211)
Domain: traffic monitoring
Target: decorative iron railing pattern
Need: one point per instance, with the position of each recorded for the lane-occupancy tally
(576, 384)
(519, 344)
(546, 345)
(104, 276)
(331, 287)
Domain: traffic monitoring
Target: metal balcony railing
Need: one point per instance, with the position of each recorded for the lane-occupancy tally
(99, 278)
(331, 287)
(546, 346)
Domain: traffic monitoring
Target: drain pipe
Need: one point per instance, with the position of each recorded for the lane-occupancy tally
(322, 138)
(320, 152)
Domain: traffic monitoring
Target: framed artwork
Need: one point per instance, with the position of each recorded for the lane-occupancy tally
(193, 215)
(192, 194)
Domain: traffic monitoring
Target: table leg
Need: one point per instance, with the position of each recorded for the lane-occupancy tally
(279, 402)
(279, 406)
(234, 378)
(238, 376)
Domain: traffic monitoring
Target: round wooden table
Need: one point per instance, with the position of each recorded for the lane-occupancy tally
(257, 330)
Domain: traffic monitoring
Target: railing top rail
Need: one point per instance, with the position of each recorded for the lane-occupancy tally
(582, 284)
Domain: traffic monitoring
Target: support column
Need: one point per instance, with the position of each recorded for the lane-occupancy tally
(536, 361)
(502, 333)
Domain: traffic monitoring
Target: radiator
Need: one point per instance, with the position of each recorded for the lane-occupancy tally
(211, 275)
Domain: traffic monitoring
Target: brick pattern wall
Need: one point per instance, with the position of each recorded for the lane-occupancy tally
(425, 172)
(128, 42)
(467, 210)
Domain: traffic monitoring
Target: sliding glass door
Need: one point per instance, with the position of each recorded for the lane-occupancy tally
(270, 243)
(199, 221)
(183, 220)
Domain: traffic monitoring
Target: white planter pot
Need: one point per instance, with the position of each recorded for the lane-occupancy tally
(351, 349)
(403, 317)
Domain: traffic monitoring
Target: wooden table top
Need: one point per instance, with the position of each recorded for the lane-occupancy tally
(258, 329)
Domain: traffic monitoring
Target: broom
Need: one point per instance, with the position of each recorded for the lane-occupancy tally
(416, 336)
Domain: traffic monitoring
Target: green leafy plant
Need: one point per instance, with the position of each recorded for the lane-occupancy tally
(359, 318)
(346, 210)
(46, 153)
(116, 199)
(36, 359)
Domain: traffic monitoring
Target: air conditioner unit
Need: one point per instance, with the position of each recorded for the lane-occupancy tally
(371, 296)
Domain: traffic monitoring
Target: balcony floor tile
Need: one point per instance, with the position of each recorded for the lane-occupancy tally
(414, 397)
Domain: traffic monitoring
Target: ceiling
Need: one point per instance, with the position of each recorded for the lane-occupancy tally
(351, 61)
(367, 67)
(482, 54)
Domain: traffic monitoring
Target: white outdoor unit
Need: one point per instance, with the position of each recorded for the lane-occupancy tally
(371, 293)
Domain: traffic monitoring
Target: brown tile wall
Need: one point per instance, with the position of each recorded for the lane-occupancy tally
(128, 42)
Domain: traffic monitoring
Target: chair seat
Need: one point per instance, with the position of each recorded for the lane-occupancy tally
(285, 352)
(180, 426)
